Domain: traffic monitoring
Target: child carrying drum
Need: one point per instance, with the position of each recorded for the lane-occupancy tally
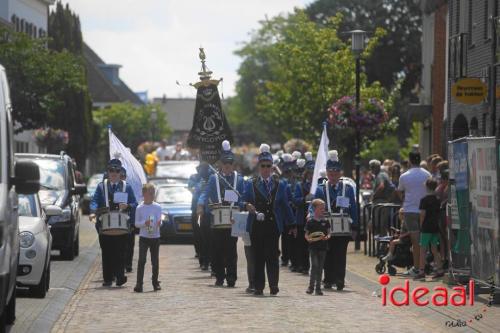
(148, 220)
(317, 234)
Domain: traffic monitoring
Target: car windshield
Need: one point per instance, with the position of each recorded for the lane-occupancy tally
(94, 181)
(173, 194)
(51, 174)
(27, 205)
(175, 170)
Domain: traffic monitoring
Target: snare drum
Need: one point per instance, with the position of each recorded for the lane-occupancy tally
(340, 224)
(114, 223)
(222, 215)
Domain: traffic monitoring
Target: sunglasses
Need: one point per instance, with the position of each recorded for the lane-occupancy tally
(265, 166)
(114, 169)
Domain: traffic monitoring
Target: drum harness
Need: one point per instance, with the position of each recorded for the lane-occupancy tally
(327, 190)
(106, 195)
(217, 185)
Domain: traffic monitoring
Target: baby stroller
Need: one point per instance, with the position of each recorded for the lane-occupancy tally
(402, 257)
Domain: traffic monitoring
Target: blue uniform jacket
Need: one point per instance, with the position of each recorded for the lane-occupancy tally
(98, 200)
(282, 211)
(209, 195)
(337, 191)
(299, 201)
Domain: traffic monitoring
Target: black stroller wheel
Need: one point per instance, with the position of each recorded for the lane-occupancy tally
(428, 269)
(380, 268)
(392, 270)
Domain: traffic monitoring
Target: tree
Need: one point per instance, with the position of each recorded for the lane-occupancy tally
(293, 69)
(132, 124)
(39, 79)
(398, 52)
(66, 36)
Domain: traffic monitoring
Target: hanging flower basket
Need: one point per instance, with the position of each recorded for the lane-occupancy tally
(370, 115)
(53, 140)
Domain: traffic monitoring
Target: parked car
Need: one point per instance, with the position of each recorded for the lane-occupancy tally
(15, 177)
(91, 186)
(35, 241)
(175, 201)
(176, 170)
(58, 187)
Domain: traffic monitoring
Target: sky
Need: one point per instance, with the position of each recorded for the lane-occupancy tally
(157, 41)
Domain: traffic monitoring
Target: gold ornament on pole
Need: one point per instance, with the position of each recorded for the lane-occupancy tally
(205, 74)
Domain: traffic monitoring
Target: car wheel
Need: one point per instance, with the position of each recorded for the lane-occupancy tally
(10, 310)
(48, 277)
(76, 245)
(40, 290)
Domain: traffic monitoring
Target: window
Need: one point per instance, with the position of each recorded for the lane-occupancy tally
(458, 55)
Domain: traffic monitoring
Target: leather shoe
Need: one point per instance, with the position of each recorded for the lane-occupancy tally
(231, 284)
(156, 286)
(138, 289)
(309, 290)
(250, 290)
(340, 286)
(258, 293)
(274, 291)
(107, 284)
(121, 281)
(129, 269)
(219, 283)
(327, 285)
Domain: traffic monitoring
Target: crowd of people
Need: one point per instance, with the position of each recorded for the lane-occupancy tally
(307, 222)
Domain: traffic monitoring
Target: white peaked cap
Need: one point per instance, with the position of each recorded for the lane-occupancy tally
(308, 155)
(333, 155)
(280, 153)
(322, 173)
(296, 154)
(264, 148)
(226, 145)
(301, 163)
(287, 158)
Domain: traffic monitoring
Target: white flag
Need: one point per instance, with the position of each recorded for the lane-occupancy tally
(321, 159)
(135, 173)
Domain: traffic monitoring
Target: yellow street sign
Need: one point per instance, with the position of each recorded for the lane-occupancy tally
(469, 91)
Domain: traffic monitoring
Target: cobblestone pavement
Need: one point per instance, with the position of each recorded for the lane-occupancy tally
(189, 302)
(39, 315)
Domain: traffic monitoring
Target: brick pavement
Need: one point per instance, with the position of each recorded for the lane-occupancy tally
(189, 303)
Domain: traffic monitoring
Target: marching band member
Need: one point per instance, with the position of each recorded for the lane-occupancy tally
(224, 245)
(302, 198)
(341, 200)
(204, 232)
(266, 199)
(287, 253)
(113, 248)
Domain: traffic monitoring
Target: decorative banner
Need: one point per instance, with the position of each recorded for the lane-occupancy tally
(483, 180)
(210, 125)
(469, 91)
(458, 169)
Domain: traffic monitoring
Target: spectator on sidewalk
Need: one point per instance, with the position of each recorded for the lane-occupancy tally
(317, 234)
(402, 237)
(162, 152)
(442, 194)
(148, 219)
(434, 167)
(383, 187)
(429, 227)
(412, 185)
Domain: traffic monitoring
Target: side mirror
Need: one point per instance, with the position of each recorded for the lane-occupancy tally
(53, 210)
(79, 189)
(27, 177)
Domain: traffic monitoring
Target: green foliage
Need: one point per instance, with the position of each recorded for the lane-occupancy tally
(397, 55)
(132, 124)
(39, 79)
(412, 140)
(386, 147)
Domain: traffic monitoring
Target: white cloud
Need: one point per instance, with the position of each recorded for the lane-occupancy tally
(156, 41)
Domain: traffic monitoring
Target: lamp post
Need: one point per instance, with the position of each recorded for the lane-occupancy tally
(154, 118)
(357, 47)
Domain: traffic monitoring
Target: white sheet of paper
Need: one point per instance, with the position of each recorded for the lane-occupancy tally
(120, 197)
(342, 202)
(239, 227)
(230, 196)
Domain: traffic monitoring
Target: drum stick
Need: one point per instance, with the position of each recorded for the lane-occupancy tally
(224, 179)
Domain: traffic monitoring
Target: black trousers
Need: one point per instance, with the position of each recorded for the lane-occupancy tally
(265, 242)
(153, 244)
(250, 266)
(113, 256)
(300, 247)
(286, 247)
(317, 262)
(129, 254)
(225, 255)
(196, 233)
(204, 246)
(335, 262)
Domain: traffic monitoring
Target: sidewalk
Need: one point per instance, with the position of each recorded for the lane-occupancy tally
(188, 302)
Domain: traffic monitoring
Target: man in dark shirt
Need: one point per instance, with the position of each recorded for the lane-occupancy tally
(429, 228)
(317, 234)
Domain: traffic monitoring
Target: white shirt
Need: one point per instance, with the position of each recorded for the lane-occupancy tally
(144, 213)
(162, 153)
(412, 182)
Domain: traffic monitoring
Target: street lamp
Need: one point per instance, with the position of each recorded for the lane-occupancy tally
(154, 118)
(357, 47)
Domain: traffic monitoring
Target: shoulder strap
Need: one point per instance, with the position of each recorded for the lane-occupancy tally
(217, 185)
(327, 193)
(106, 195)
(124, 183)
(344, 185)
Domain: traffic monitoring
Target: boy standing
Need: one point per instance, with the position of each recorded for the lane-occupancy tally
(317, 234)
(148, 219)
(429, 228)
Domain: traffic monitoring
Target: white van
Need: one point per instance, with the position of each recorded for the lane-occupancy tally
(22, 177)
